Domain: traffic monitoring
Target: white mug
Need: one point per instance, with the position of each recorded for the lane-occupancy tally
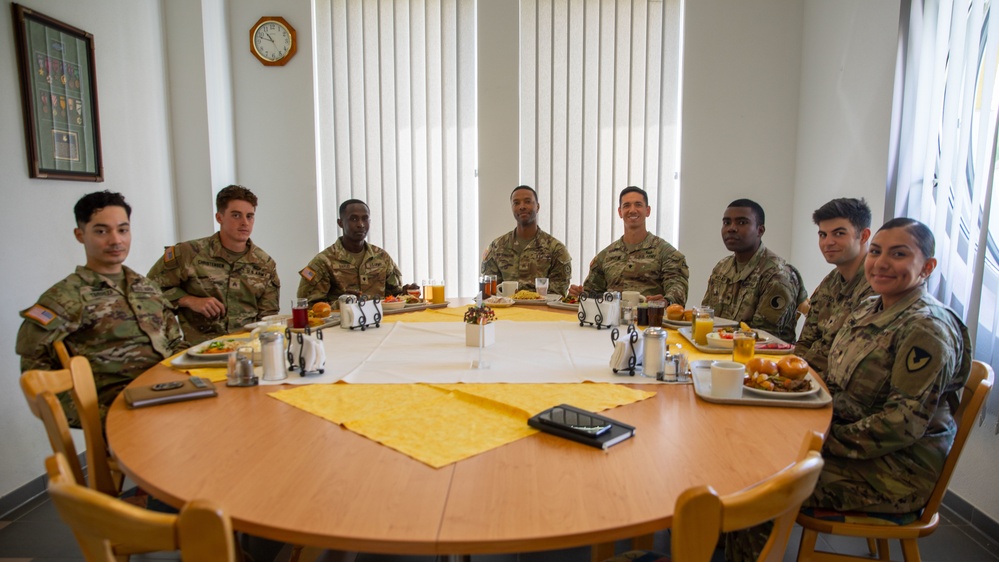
(507, 288)
(632, 298)
(726, 379)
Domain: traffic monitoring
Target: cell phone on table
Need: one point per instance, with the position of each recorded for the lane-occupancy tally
(574, 421)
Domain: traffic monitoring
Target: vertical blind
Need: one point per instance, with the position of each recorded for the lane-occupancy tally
(599, 111)
(397, 129)
(943, 147)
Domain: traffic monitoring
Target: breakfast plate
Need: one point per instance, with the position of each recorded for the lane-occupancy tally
(816, 387)
(716, 339)
(719, 323)
(564, 305)
(773, 345)
(498, 302)
(538, 302)
(221, 347)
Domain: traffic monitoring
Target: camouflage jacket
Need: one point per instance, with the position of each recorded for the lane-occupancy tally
(249, 287)
(544, 256)
(334, 271)
(122, 334)
(765, 293)
(654, 267)
(894, 376)
(833, 300)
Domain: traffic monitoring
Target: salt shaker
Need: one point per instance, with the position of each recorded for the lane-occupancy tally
(272, 351)
(654, 355)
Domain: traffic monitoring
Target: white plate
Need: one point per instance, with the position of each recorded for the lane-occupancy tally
(715, 340)
(564, 305)
(197, 350)
(786, 395)
(393, 305)
(539, 302)
(719, 323)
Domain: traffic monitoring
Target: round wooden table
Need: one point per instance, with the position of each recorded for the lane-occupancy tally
(285, 474)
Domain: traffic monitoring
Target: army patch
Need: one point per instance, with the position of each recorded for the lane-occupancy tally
(917, 359)
(308, 273)
(40, 314)
(169, 254)
(777, 303)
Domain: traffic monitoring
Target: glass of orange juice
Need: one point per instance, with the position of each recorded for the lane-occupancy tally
(702, 324)
(743, 346)
(438, 288)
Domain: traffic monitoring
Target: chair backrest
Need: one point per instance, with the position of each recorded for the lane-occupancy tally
(40, 389)
(202, 532)
(62, 352)
(976, 390)
(701, 515)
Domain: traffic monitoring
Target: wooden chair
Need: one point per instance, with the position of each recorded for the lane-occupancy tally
(976, 390)
(40, 389)
(701, 516)
(201, 532)
(62, 352)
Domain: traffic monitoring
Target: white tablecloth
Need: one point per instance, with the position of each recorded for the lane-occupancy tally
(435, 352)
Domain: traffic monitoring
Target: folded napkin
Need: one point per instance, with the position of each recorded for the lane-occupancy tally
(309, 355)
(623, 352)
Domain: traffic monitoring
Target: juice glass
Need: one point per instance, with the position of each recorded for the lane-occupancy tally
(438, 289)
(492, 285)
(702, 324)
(428, 291)
(743, 346)
(299, 313)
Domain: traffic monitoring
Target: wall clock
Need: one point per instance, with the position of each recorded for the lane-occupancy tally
(272, 41)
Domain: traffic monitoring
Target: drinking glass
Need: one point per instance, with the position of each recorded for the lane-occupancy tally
(743, 346)
(541, 285)
(492, 285)
(485, 286)
(428, 290)
(657, 309)
(642, 317)
(299, 313)
(703, 323)
(438, 288)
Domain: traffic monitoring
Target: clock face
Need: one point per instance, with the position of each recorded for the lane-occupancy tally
(272, 41)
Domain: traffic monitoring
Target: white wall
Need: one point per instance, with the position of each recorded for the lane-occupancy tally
(36, 218)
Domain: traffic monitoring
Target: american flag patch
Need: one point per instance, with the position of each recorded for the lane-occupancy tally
(40, 314)
(308, 273)
(170, 254)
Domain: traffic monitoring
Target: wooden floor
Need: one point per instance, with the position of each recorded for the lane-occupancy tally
(35, 533)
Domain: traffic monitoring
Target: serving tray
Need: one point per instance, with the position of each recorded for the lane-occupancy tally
(685, 332)
(702, 387)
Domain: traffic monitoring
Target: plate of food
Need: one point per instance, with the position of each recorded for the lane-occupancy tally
(413, 300)
(565, 303)
(788, 378)
(220, 347)
(528, 297)
(498, 302)
(393, 303)
(678, 317)
(725, 336)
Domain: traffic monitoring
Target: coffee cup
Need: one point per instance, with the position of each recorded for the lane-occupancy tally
(632, 298)
(507, 288)
(727, 378)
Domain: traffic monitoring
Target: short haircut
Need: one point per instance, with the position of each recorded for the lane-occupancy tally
(93, 202)
(922, 233)
(345, 204)
(234, 193)
(632, 189)
(761, 217)
(854, 210)
(527, 187)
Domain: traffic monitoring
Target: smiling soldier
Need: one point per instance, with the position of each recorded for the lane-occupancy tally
(223, 282)
(639, 260)
(753, 285)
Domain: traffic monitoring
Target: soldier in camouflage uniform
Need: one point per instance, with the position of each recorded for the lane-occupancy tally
(527, 252)
(116, 318)
(895, 372)
(351, 265)
(753, 285)
(844, 232)
(639, 260)
(222, 282)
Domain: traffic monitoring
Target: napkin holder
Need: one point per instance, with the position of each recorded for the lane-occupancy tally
(296, 356)
(602, 310)
(627, 351)
(360, 312)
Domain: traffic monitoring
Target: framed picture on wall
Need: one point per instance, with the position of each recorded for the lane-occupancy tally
(59, 97)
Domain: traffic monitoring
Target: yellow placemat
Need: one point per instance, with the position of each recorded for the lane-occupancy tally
(520, 313)
(442, 424)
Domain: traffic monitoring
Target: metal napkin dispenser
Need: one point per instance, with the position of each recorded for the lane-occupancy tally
(360, 312)
(602, 310)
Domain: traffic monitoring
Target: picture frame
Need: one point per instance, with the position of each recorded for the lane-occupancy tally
(56, 65)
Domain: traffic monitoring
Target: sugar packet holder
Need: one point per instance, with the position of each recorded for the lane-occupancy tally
(360, 312)
(305, 352)
(601, 310)
(627, 355)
